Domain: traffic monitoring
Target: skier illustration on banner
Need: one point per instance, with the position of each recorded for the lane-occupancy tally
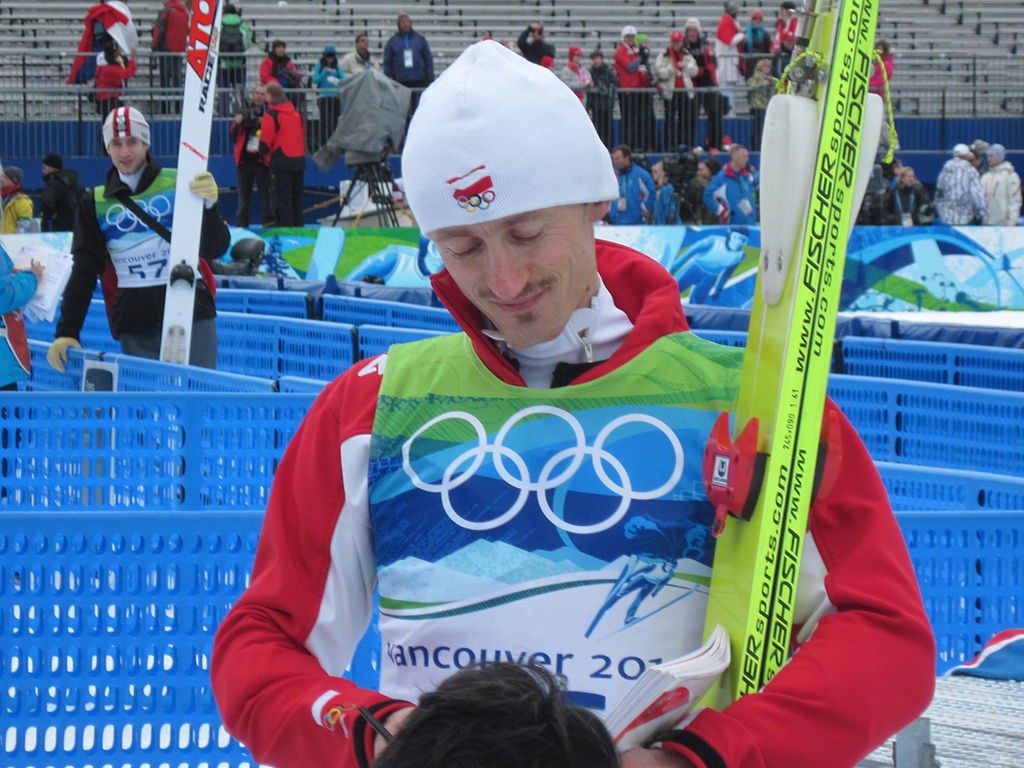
(706, 267)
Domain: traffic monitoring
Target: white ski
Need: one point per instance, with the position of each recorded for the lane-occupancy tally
(193, 150)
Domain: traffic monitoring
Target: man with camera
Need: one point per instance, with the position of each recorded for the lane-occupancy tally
(533, 45)
(245, 133)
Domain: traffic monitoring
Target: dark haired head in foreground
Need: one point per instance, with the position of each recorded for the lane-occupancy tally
(500, 716)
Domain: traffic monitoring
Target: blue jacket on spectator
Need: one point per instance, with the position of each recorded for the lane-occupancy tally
(322, 77)
(421, 73)
(733, 191)
(636, 190)
(16, 288)
(666, 205)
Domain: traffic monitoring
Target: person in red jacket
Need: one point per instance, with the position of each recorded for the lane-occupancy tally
(492, 484)
(169, 38)
(245, 133)
(636, 101)
(283, 148)
(113, 70)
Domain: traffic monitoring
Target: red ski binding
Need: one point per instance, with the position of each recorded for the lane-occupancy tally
(733, 471)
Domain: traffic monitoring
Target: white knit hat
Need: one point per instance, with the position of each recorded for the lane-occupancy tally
(961, 150)
(495, 136)
(125, 121)
(629, 29)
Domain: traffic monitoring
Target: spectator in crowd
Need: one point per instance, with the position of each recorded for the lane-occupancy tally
(636, 189)
(706, 83)
(99, 20)
(707, 169)
(169, 38)
(408, 60)
(881, 72)
(666, 201)
(565, 339)
(113, 70)
(500, 716)
(959, 197)
(636, 104)
(327, 75)
(16, 205)
(760, 89)
(1001, 184)
(62, 196)
(728, 36)
(235, 40)
(548, 62)
(114, 241)
(533, 45)
(245, 133)
(279, 68)
(786, 23)
(16, 288)
(675, 69)
(360, 59)
(575, 75)
(283, 147)
(979, 155)
(730, 194)
(758, 40)
(601, 99)
(907, 204)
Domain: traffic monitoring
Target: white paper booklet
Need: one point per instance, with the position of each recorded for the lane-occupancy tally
(665, 693)
(42, 307)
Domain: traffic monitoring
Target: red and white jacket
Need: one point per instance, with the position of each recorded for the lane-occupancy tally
(865, 660)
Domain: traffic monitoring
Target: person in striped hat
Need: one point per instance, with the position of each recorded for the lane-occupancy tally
(122, 236)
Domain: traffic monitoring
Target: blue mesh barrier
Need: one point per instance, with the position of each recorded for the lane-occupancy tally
(108, 624)
(962, 364)
(43, 378)
(247, 344)
(116, 451)
(299, 384)
(726, 338)
(935, 425)
(357, 311)
(140, 374)
(260, 302)
(970, 567)
(912, 487)
(314, 349)
(375, 339)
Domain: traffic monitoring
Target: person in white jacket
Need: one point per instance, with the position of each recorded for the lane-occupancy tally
(959, 197)
(1002, 189)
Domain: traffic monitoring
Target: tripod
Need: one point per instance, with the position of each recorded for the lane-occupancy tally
(377, 177)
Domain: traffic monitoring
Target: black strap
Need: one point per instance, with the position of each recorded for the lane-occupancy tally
(359, 732)
(143, 215)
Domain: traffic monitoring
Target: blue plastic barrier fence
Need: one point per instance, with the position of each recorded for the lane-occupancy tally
(375, 339)
(119, 451)
(139, 374)
(43, 378)
(108, 620)
(913, 487)
(935, 425)
(261, 302)
(269, 347)
(970, 567)
(299, 384)
(962, 364)
(357, 311)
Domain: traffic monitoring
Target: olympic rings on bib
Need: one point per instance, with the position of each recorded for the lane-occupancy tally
(125, 220)
(558, 470)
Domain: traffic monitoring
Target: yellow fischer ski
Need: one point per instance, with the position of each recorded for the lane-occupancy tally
(818, 149)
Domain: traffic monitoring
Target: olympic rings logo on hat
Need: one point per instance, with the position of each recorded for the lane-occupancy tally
(476, 191)
(125, 220)
(552, 475)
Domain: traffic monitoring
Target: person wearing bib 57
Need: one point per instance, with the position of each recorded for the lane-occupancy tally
(122, 235)
(530, 489)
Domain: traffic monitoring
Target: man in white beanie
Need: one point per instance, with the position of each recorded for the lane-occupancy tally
(1002, 189)
(529, 490)
(122, 236)
(959, 197)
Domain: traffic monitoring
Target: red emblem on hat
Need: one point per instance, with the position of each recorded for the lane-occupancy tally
(473, 190)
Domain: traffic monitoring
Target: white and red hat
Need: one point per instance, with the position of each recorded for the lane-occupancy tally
(496, 136)
(125, 122)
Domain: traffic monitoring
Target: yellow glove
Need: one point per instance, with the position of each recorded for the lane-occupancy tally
(205, 186)
(57, 354)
